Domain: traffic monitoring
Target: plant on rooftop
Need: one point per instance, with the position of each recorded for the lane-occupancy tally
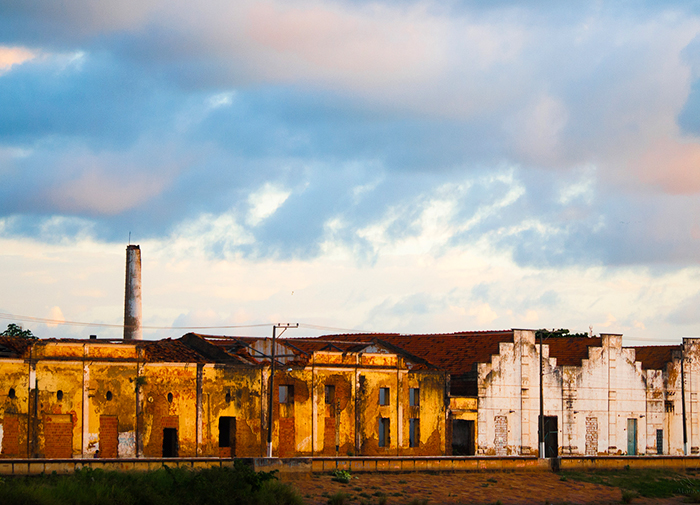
(14, 330)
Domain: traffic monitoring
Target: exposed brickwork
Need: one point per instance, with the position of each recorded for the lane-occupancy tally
(224, 452)
(287, 442)
(591, 436)
(109, 437)
(59, 437)
(501, 439)
(10, 438)
(155, 446)
(329, 437)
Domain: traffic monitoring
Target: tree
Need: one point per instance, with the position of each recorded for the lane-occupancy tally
(14, 330)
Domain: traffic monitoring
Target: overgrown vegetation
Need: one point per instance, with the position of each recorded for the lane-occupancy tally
(647, 483)
(14, 330)
(343, 476)
(169, 486)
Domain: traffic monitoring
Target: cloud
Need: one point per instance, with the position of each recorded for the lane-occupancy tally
(10, 56)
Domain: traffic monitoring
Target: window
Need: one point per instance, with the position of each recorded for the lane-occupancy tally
(668, 404)
(330, 395)
(227, 431)
(12, 393)
(59, 395)
(414, 432)
(109, 396)
(414, 397)
(170, 398)
(659, 441)
(384, 396)
(286, 394)
(383, 432)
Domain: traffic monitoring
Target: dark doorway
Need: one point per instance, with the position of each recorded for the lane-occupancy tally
(551, 437)
(227, 434)
(631, 437)
(463, 438)
(169, 443)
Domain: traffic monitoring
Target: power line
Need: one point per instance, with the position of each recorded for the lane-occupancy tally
(44, 320)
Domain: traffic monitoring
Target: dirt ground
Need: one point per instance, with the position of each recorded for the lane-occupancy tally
(463, 488)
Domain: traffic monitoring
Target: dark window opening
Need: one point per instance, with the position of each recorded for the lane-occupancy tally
(12, 393)
(668, 404)
(383, 432)
(384, 396)
(414, 397)
(170, 398)
(170, 443)
(227, 432)
(228, 396)
(59, 395)
(551, 436)
(286, 394)
(414, 433)
(330, 395)
(109, 396)
(463, 438)
(659, 441)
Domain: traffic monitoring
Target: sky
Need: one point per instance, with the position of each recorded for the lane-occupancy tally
(386, 166)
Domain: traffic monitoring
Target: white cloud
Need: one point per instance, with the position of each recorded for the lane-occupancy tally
(265, 202)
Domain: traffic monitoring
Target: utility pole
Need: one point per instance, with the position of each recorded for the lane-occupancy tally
(541, 454)
(270, 391)
(685, 429)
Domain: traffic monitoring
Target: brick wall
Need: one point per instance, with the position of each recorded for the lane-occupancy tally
(10, 438)
(58, 437)
(109, 437)
(154, 448)
(329, 437)
(287, 442)
(591, 436)
(501, 438)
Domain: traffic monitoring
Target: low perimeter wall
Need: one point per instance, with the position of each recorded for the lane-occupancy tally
(291, 467)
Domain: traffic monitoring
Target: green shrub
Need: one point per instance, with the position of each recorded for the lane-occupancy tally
(338, 499)
(342, 476)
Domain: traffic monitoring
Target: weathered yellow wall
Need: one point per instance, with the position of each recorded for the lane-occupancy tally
(431, 412)
(14, 375)
(52, 377)
(340, 415)
(118, 379)
(161, 379)
(243, 386)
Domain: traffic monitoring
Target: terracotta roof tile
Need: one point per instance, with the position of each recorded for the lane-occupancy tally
(14, 347)
(168, 350)
(655, 357)
(569, 351)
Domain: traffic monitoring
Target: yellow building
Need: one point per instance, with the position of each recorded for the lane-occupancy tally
(208, 396)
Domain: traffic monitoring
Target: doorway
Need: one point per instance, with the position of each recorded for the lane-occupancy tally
(632, 437)
(170, 443)
(227, 436)
(463, 438)
(551, 437)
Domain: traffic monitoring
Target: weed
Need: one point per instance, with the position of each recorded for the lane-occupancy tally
(418, 501)
(402, 481)
(378, 493)
(628, 496)
(357, 489)
(491, 480)
(398, 493)
(563, 478)
(382, 500)
(342, 476)
(365, 495)
(338, 499)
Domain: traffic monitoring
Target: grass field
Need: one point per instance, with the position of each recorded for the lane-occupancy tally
(168, 486)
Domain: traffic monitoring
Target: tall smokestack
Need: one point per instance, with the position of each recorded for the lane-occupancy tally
(132, 294)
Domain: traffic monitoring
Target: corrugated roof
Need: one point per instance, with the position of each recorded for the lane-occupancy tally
(169, 351)
(655, 357)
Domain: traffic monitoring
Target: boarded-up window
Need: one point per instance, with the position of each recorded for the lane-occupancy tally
(383, 432)
(384, 396)
(414, 397)
(109, 437)
(414, 432)
(58, 433)
(286, 394)
(330, 395)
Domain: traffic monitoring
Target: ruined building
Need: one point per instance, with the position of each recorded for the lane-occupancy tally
(369, 394)
(466, 393)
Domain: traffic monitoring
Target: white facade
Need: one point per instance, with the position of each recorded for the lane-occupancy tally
(607, 405)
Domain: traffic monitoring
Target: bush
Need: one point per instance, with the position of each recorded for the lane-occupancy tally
(338, 499)
(342, 476)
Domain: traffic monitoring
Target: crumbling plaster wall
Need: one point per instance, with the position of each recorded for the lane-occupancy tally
(13, 416)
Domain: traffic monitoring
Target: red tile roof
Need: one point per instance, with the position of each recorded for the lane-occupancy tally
(569, 351)
(456, 353)
(655, 357)
(171, 351)
(14, 347)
